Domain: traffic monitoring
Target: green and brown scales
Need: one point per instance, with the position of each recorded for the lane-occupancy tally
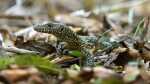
(65, 34)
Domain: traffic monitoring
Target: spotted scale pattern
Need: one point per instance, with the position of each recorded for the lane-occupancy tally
(63, 33)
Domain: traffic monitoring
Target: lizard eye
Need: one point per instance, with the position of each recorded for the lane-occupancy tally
(62, 29)
(49, 25)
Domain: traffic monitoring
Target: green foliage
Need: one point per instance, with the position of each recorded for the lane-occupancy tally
(139, 28)
(30, 60)
(112, 81)
(5, 61)
(75, 53)
(98, 81)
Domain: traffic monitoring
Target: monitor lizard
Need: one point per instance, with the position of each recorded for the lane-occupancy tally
(74, 41)
(65, 34)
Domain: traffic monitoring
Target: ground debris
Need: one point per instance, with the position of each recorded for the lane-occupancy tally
(114, 33)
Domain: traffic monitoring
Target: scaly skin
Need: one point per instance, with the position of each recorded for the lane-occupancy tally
(64, 34)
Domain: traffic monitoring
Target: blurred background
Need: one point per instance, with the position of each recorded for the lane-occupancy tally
(24, 13)
(88, 15)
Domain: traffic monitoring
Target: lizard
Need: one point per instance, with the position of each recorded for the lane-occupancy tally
(82, 43)
(65, 34)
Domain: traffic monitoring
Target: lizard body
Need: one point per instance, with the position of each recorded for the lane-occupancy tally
(63, 33)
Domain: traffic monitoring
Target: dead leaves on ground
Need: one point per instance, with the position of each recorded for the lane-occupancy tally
(126, 63)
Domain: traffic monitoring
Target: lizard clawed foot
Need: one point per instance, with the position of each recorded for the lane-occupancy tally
(60, 49)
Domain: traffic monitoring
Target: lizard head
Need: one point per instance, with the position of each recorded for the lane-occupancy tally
(52, 28)
(61, 31)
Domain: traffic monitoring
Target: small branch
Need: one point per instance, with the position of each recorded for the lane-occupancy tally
(18, 51)
(6, 16)
(146, 25)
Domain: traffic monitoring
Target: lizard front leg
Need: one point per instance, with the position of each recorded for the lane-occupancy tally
(60, 47)
(87, 58)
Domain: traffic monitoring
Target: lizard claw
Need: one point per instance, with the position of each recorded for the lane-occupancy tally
(60, 48)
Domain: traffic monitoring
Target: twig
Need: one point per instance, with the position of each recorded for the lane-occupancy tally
(6, 16)
(18, 51)
(146, 24)
(138, 28)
